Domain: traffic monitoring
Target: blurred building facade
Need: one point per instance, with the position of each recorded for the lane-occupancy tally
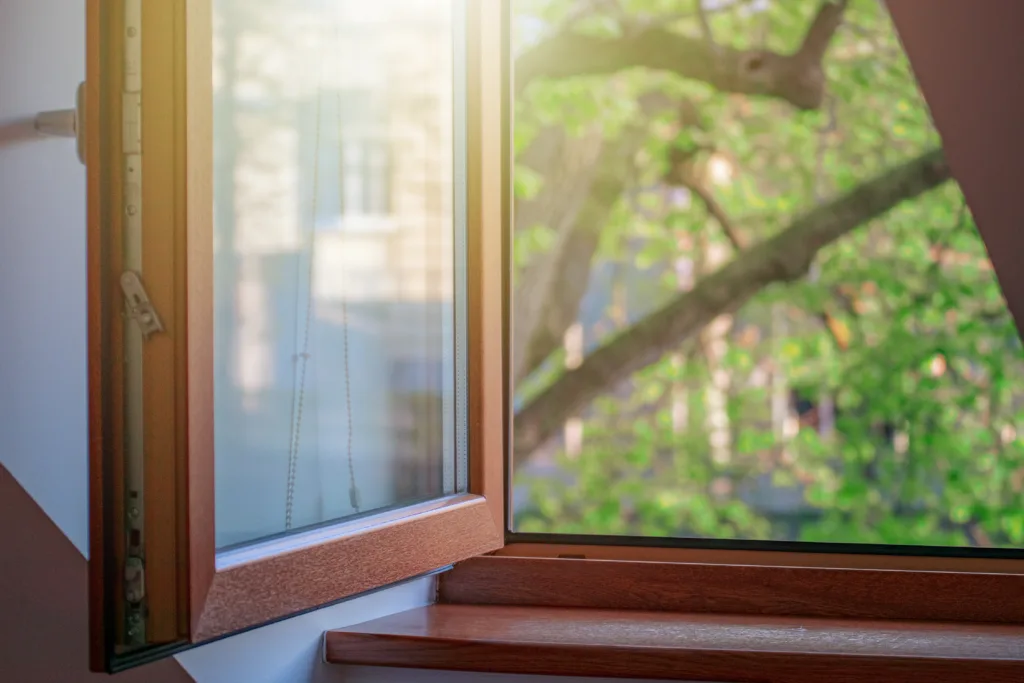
(334, 169)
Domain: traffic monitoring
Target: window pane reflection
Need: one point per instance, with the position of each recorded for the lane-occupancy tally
(334, 260)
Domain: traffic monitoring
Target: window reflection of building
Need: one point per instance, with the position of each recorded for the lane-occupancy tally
(419, 440)
(355, 152)
(380, 239)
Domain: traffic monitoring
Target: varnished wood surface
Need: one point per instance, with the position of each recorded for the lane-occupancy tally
(737, 589)
(104, 182)
(196, 298)
(163, 200)
(487, 174)
(255, 588)
(661, 645)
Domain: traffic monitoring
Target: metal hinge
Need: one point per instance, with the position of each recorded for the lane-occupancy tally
(135, 593)
(134, 579)
(138, 306)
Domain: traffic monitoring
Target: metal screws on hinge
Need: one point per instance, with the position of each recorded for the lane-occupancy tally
(135, 593)
(134, 580)
(138, 306)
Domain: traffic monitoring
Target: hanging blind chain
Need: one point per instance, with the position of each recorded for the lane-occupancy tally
(302, 359)
(353, 489)
(298, 399)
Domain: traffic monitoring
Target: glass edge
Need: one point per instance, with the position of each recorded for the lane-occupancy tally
(460, 153)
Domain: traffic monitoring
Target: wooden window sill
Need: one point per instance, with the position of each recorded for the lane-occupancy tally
(681, 646)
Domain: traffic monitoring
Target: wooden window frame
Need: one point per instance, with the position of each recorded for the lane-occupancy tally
(863, 589)
(196, 594)
(774, 579)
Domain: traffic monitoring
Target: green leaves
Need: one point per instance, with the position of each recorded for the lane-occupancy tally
(926, 379)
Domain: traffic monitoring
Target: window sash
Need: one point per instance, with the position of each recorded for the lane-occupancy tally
(195, 593)
(202, 584)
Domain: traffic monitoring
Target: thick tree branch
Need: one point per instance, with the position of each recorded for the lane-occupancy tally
(566, 166)
(576, 202)
(821, 31)
(705, 25)
(835, 327)
(550, 289)
(796, 78)
(783, 258)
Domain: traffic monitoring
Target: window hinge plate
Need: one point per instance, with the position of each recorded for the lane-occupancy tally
(138, 307)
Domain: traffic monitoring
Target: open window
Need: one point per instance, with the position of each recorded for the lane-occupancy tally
(709, 348)
(751, 308)
(767, 374)
(295, 307)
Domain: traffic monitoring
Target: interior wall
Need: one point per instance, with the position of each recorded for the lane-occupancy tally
(44, 605)
(42, 262)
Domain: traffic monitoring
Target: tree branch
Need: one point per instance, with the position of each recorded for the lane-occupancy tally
(783, 258)
(550, 288)
(821, 31)
(796, 78)
(717, 212)
(705, 25)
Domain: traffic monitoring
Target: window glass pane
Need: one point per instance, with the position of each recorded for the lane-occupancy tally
(336, 235)
(749, 301)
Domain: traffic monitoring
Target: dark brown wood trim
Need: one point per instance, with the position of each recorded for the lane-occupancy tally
(163, 203)
(106, 418)
(254, 587)
(669, 646)
(737, 589)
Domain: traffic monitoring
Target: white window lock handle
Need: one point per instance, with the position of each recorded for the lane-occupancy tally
(66, 123)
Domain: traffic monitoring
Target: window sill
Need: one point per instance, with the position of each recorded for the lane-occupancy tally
(679, 646)
(706, 622)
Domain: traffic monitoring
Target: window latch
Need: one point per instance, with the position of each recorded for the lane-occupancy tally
(139, 308)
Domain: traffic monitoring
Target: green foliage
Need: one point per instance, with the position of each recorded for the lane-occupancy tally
(926, 387)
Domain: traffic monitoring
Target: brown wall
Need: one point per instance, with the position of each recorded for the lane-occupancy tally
(968, 55)
(43, 602)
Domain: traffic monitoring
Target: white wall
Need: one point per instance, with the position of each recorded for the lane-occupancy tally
(43, 384)
(42, 263)
(43, 399)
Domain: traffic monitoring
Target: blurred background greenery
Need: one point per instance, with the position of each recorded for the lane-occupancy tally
(750, 301)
